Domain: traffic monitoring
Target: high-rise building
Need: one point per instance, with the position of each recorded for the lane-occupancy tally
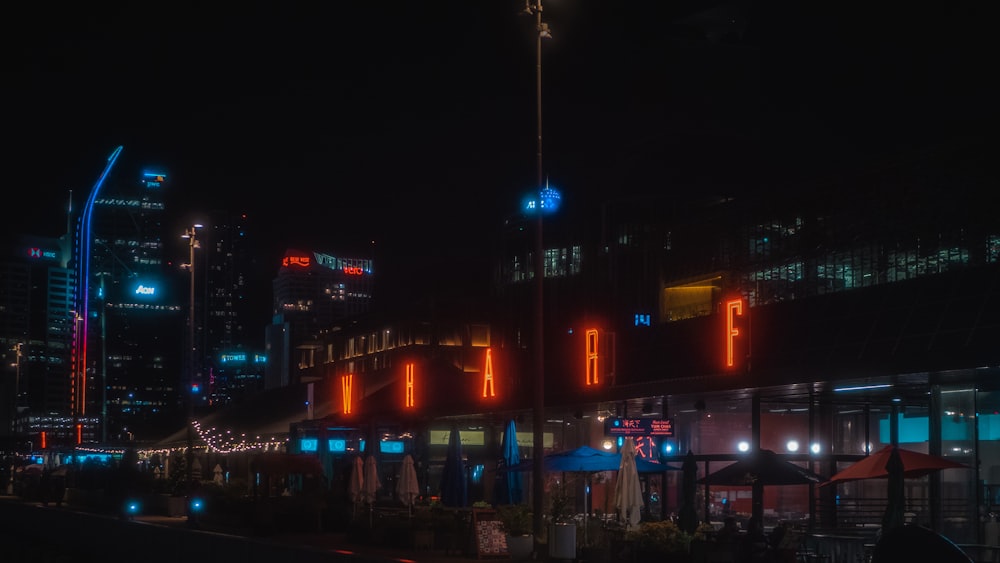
(136, 313)
(313, 293)
(231, 367)
(36, 322)
(107, 296)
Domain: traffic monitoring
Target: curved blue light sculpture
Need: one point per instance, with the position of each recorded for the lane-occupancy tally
(83, 286)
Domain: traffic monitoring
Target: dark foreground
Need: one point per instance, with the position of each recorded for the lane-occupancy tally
(32, 533)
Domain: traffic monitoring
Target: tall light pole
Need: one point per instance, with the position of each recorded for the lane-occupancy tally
(535, 205)
(18, 354)
(104, 360)
(191, 234)
(84, 238)
(13, 413)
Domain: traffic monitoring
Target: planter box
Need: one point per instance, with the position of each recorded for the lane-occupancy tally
(520, 547)
(562, 540)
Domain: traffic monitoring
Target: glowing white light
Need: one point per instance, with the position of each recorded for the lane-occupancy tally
(743, 446)
(814, 448)
(792, 445)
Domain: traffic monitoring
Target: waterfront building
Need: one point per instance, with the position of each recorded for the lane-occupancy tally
(822, 325)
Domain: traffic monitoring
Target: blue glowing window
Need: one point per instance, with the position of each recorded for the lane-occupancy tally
(309, 444)
(641, 319)
(391, 447)
(337, 445)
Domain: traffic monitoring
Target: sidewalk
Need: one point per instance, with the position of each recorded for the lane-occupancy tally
(338, 546)
(335, 543)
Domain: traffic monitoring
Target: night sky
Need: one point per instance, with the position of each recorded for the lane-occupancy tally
(340, 123)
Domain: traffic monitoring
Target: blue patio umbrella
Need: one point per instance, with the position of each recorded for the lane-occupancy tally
(509, 489)
(454, 484)
(586, 459)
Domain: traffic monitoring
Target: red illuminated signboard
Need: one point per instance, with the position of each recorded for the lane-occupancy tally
(303, 261)
(736, 341)
(639, 427)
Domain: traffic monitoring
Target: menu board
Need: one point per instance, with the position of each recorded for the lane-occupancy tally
(491, 538)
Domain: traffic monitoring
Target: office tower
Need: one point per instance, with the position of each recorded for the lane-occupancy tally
(136, 313)
(313, 293)
(232, 366)
(36, 321)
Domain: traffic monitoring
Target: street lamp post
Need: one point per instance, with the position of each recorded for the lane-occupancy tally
(191, 234)
(104, 361)
(18, 354)
(538, 404)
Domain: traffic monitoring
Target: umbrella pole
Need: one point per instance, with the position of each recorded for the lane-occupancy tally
(586, 510)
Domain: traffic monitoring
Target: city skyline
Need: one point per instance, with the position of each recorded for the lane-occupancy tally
(405, 125)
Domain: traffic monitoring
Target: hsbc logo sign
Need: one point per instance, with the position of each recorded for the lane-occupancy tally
(37, 253)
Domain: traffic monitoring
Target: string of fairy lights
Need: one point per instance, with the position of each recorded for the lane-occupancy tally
(226, 441)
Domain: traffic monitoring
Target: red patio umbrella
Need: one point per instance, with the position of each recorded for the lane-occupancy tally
(915, 464)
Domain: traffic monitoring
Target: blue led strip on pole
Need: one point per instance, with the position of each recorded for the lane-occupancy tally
(83, 283)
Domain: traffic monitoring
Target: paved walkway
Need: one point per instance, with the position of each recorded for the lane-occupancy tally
(337, 542)
(319, 546)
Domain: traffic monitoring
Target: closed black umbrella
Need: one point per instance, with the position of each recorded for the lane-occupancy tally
(688, 517)
(893, 517)
(454, 486)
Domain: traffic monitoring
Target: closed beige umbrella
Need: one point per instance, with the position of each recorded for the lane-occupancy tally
(355, 485)
(370, 485)
(407, 487)
(628, 490)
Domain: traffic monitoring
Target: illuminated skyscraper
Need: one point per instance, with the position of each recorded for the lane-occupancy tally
(36, 318)
(232, 367)
(313, 293)
(136, 314)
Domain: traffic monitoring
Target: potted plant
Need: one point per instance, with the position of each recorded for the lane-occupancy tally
(562, 527)
(518, 521)
(422, 529)
(594, 540)
(661, 541)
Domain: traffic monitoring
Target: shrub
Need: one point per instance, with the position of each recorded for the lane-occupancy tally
(517, 519)
(660, 537)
